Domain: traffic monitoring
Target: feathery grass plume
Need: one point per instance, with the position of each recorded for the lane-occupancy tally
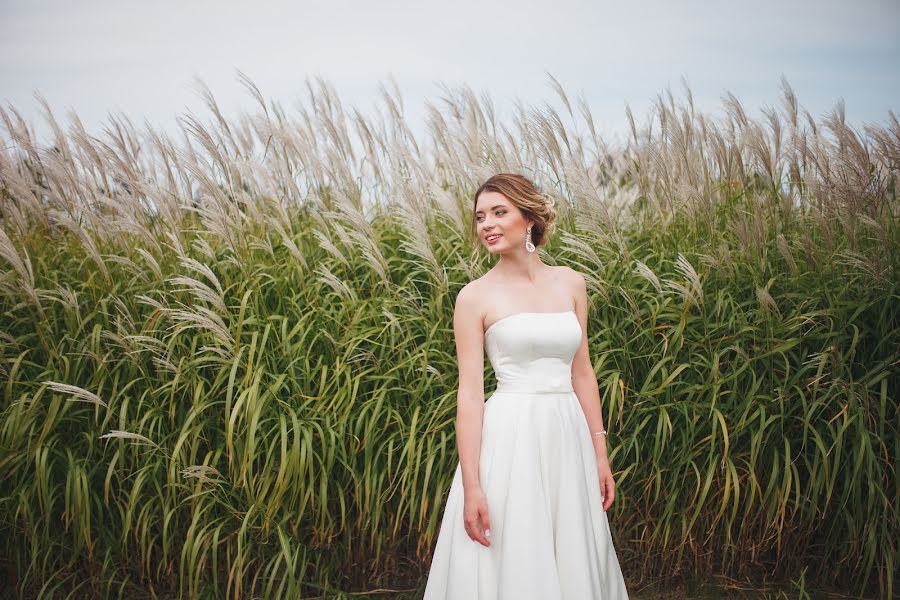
(19, 175)
(326, 244)
(87, 152)
(65, 296)
(331, 280)
(785, 248)
(281, 224)
(129, 264)
(126, 435)
(588, 262)
(88, 242)
(60, 139)
(76, 393)
(692, 293)
(360, 233)
(151, 262)
(877, 276)
(164, 365)
(145, 343)
(647, 273)
(449, 206)
(214, 294)
(683, 266)
(201, 318)
(202, 472)
(766, 302)
(411, 215)
(596, 214)
(22, 267)
(630, 301)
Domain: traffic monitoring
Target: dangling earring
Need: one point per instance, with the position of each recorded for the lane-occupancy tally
(528, 245)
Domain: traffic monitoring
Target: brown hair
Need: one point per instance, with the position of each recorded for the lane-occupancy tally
(520, 191)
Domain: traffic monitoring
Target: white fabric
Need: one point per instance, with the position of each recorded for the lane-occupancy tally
(550, 537)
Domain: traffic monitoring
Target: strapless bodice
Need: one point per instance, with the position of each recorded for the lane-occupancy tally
(532, 352)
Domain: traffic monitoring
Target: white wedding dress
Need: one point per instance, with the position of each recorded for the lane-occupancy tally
(550, 537)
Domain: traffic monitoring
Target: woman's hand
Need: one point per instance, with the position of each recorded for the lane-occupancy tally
(607, 484)
(475, 516)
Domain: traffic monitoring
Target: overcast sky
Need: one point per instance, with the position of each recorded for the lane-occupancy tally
(140, 57)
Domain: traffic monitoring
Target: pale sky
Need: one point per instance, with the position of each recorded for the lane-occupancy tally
(140, 57)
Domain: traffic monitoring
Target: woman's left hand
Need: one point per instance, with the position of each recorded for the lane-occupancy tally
(607, 483)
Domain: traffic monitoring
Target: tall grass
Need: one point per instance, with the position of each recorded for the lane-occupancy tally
(227, 359)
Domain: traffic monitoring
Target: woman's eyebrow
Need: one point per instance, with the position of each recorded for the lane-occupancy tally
(495, 207)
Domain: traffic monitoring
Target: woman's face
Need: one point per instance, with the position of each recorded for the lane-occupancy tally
(500, 223)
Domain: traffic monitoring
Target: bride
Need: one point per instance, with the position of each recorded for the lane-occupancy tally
(525, 515)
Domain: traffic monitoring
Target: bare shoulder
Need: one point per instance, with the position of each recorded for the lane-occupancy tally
(570, 276)
(473, 294)
(575, 283)
(468, 299)
(467, 294)
(467, 314)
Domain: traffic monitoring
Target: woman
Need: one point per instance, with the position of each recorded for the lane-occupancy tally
(525, 515)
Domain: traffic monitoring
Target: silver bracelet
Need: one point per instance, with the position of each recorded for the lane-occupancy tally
(601, 432)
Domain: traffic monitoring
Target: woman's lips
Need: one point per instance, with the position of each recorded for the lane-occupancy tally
(494, 240)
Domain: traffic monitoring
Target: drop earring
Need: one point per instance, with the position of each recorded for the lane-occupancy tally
(528, 245)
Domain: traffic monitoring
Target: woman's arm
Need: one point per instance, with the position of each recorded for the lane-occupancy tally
(584, 381)
(467, 329)
(583, 378)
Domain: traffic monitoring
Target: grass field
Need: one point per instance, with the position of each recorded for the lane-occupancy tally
(227, 359)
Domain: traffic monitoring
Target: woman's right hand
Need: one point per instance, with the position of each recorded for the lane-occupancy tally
(475, 516)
